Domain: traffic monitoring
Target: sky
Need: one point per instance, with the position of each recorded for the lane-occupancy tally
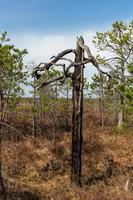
(46, 27)
(55, 16)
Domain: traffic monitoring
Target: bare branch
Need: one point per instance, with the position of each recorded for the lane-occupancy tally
(58, 64)
(90, 57)
(66, 72)
(54, 60)
(58, 57)
(67, 59)
(51, 81)
(113, 58)
(86, 60)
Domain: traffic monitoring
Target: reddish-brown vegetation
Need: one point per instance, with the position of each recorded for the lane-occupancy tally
(40, 168)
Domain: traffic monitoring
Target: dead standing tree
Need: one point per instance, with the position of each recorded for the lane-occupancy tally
(77, 98)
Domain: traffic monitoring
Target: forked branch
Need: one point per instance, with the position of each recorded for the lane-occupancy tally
(66, 70)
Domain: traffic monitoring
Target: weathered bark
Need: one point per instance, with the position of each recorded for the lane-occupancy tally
(67, 108)
(121, 101)
(54, 113)
(34, 115)
(77, 78)
(2, 186)
(2, 106)
(77, 117)
(121, 112)
(101, 102)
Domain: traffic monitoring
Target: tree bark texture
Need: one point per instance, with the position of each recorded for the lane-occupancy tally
(2, 186)
(77, 117)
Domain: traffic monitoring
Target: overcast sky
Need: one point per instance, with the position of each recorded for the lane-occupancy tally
(45, 27)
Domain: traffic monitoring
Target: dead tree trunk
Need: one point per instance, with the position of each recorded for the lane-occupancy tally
(101, 101)
(67, 107)
(77, 117)
(34, 112)
(54, 113)
(121, 102)
(3, 193)
(78, 80)
(121, 112)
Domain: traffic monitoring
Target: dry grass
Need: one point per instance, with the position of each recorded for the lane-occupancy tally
(24, 165)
